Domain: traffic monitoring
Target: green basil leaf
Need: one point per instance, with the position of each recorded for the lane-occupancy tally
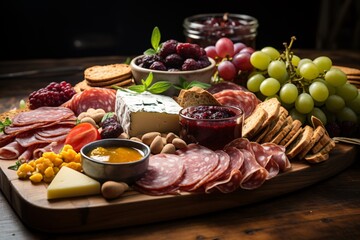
(198, 84)
(148, 80)
(16, 166)
(155, 38)
(6, 122)
(137, 88)
(159, 87)
(150, 51)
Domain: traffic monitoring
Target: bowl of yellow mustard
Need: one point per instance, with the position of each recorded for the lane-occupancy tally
(113, 159)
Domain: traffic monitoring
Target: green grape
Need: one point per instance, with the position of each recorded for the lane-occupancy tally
(260, 60)
(269, 87)
(253, 83)
(288, 93)
(318, 113)
(22, 104)
(347, 91)
(272, 52)
(318, 104)
(346, 114)
(309, 71)
(331, 89)
(296, 115)
(295, 60)
(355, 104)
(334, 103)
(303, 61)
(277, 70)
(304, 103)
(323, 63)
(331, 117)
(335, 77)
(318, 91)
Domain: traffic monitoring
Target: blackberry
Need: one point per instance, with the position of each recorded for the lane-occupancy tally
(157, 65)
(111, 128)
(189, 50)
(147, 60)
(168, 47)
(174, 61)
(53, 95)
(190, 64)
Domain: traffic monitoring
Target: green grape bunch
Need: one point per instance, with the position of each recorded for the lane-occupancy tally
(307, 88)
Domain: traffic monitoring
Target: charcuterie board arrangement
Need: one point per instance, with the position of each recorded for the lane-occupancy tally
(213, 145)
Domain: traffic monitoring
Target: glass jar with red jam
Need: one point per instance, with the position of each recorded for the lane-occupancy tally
(206, 29)
(210, 126)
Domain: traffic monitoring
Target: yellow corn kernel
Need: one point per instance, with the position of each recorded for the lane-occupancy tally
(36, 177)
(57, 162)
(32, 163)
(66, 148)
(74, 165)
(77, 158)
(48, 179)
(56, 170)
(68, 155)
(24, 170)
(49, 172)
(50, 155)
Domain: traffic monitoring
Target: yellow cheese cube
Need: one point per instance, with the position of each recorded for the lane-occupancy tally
(71, 183)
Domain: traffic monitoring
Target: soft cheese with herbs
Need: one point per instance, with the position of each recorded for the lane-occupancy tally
(146, 112)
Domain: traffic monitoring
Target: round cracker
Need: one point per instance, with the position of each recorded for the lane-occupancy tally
(107, 72)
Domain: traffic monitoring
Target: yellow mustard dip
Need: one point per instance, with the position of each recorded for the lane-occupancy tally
(116, 154)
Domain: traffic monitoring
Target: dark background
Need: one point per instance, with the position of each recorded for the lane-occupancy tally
(60, 29)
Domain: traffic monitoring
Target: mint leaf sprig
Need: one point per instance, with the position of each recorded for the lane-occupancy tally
(183, 84)
(6, 122)
(155, 42)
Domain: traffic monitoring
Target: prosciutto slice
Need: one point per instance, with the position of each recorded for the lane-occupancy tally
(11, 151)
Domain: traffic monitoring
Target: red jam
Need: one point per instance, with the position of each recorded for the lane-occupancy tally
(210, 126)
(206, 29)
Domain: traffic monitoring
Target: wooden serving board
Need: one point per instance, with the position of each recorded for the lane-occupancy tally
(94, 212)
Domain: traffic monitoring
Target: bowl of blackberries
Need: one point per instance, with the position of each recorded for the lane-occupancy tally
(174, 62)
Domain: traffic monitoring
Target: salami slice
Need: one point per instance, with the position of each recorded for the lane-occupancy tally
(162, 176)
(54, 131)
(93, 98)
(265, 159)
(199, 162)
(225, 85)
(278, 154)
(247, 101)
(224, 162)
(11, 151)
(42, 115)
(254, 175)
(231, 178)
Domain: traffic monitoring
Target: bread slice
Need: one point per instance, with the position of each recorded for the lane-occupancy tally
(300, 142)
(253, 123)
(284, 130)
(318, 133)
(323, 141)
(196, 96)
(275, 125)
(317, 157)
(272, 107)
(296, 125)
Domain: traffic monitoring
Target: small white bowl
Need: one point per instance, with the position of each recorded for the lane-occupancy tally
(202, 75)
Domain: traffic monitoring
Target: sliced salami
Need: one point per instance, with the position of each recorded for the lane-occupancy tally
(264, 158)
(54, 131)
(247, 101)
(254, 175)
(162, 176)
(11, 151)
(231, 178)
(225, 85)
(278, 154)
(93, 98)
(199, 162)
(224, 162)
(42, 115)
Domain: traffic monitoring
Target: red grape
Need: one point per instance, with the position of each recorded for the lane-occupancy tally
(242, 61)
(227, 70)
(224, 47)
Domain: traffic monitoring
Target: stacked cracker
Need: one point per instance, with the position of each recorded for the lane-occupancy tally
(106, 76)
(270, 122)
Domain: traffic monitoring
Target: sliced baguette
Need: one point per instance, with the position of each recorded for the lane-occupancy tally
(196, 96)
(300, 142)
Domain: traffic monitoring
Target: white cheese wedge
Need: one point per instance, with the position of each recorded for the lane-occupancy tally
(71, 183)
(140, 113)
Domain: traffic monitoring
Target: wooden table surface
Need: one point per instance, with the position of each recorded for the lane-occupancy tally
(326, 210)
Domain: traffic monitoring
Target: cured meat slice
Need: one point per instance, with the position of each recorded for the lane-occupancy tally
(247, 101)
(92, 98)
(224, 162)
(240, 143)
(49, 147)
(199, 162)
(254, 175)
(264, 158)
(278, 154)
(55, 130)
(164, 173)
(42, 115)
(225, 85)
(11, 151)
(231, 178)
(5, 139)
(27, 139)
